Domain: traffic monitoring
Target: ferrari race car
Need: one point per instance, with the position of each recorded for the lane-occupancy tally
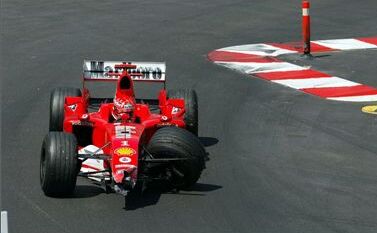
(121, 141)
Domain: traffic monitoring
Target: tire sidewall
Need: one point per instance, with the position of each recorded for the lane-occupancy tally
(58, 158)
(57, 101)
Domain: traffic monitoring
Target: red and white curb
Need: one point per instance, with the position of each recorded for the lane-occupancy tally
(260, 60)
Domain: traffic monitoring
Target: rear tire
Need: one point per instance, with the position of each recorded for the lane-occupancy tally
(59, 164)
(173, 142)
(57, 100)
(191, 107)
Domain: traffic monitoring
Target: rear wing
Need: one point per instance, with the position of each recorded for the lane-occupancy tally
(99, 71)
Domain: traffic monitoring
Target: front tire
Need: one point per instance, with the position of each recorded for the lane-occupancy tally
(59, 164)
(57, 100)
(173, 142)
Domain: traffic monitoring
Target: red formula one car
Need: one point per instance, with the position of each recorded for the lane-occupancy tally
(124, 141)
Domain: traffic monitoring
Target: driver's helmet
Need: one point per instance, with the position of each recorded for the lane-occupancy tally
(123, 105)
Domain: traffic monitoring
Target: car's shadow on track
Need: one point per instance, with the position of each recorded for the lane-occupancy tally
(87, 191)
(151, 196)
(208, 141)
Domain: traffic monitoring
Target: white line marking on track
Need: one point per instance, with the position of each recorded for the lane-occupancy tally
(345, 44)
(259, 67)
(43, 213)
(4, 222)
(258, 49)
(316, 82)
(359, 98)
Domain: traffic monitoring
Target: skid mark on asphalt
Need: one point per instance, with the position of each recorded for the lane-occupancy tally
(299, 208)
(342, 135)
(43, 213)
(348, 137)
(260, 60)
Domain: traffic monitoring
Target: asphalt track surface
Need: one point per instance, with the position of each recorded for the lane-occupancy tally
(280, 160)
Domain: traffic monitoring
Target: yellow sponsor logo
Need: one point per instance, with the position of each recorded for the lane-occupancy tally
(124, 151)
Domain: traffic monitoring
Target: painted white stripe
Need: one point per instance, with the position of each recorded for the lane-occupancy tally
(305, 11)
(316, 82)
(345, 44)
(258, 49)
(258, 67)
(4, 222)
(362, 98)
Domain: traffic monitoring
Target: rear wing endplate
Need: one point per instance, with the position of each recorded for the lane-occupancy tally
(99, 71)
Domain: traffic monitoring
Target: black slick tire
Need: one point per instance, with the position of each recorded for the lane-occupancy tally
(59, 164)
(57, 99)
(191, 107)
(173, 142)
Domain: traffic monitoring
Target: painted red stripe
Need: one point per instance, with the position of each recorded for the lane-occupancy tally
(316, 48)
(238, 57)
(370, 40)
(297, 74)
(341, 91)
(297, 46)
(91, 167)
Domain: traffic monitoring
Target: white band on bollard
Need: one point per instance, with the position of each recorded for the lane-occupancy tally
(305, 11)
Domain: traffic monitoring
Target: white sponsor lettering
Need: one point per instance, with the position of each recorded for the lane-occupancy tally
(122, 131)
(151, 71)
(175, 110)
(119, 172)
(123, 166)
(124, 143)
(73, 107)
